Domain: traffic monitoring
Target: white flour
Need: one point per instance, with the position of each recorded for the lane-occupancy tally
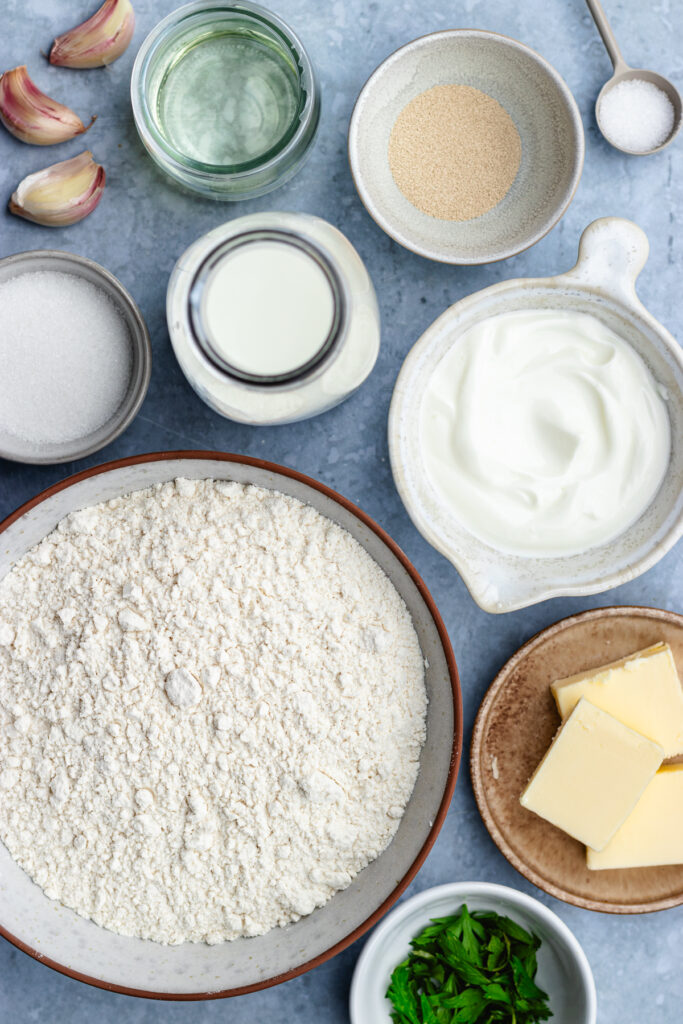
(211, 711)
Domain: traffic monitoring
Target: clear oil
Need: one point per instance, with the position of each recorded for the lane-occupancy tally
(227, 98)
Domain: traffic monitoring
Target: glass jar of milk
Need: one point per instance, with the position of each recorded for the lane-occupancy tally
(273, 317)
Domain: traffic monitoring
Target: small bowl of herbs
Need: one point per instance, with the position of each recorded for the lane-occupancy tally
(472, 953)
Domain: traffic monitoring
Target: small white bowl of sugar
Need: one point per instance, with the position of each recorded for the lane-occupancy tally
(75, 356)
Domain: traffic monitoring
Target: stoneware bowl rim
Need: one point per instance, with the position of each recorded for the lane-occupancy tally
(552, 74)
(499, 838)
(593, 278)
(139, 341)
(456, 748)
(496, 893)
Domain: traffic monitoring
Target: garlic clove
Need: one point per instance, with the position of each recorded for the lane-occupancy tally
(99, 40)
(61, 194)
(32, 116)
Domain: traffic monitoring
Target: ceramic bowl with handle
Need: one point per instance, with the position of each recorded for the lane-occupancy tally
(612, 252)
(57, 936)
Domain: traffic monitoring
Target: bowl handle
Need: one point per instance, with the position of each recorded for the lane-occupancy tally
(612, 252)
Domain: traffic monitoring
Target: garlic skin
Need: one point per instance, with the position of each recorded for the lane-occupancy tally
(99, 40)
(61, 194)
(32, 116)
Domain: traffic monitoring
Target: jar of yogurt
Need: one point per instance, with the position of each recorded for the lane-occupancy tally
(273, 317)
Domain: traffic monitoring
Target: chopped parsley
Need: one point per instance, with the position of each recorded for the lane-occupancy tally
(476, 968)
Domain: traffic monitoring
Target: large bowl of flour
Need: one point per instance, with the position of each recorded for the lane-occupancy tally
(230, 725)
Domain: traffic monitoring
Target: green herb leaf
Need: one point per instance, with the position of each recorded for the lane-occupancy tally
(524, 984)
(472, 935)
(402, 996)
(428, 1015)
(469, 968)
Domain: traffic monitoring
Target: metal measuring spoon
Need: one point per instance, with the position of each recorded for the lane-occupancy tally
(623, 72)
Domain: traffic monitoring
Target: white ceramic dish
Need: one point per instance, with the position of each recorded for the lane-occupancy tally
(563, 970)
(612, 252)
(540, 104)
(77, 947)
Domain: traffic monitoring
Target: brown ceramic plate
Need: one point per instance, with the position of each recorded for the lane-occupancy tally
(515, 724)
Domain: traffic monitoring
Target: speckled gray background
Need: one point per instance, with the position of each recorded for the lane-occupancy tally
(140, 228)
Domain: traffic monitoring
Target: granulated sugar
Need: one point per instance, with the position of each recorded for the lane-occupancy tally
(636, 115)
(65, 354)
(454, 152)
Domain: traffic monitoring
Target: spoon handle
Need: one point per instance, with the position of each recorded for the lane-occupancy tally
(603, 27)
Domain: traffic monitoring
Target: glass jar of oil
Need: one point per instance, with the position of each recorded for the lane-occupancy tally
(225, 98)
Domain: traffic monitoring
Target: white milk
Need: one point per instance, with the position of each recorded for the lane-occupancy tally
(273, 317)
(268, 308)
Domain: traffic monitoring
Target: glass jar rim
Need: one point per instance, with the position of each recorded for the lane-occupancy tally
(330, 347)
(146, 123)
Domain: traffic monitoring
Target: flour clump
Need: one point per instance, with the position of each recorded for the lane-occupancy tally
(182, 689)
(211, 711)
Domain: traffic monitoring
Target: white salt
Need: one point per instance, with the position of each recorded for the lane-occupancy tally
(65, 357)
(636, 115)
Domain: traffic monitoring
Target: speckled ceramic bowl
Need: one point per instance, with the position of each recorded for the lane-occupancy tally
(60, 938)
(611, 254)
(540, 104)
(19, 449)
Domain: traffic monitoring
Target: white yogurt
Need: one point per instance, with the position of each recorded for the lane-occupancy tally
(544, 433)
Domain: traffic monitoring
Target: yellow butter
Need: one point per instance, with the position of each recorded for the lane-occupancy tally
(592, 776)
(653, 832)
(642, 691)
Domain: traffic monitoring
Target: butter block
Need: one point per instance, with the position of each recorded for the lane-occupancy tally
(592, 776)
(653, 832)
(642, 691)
